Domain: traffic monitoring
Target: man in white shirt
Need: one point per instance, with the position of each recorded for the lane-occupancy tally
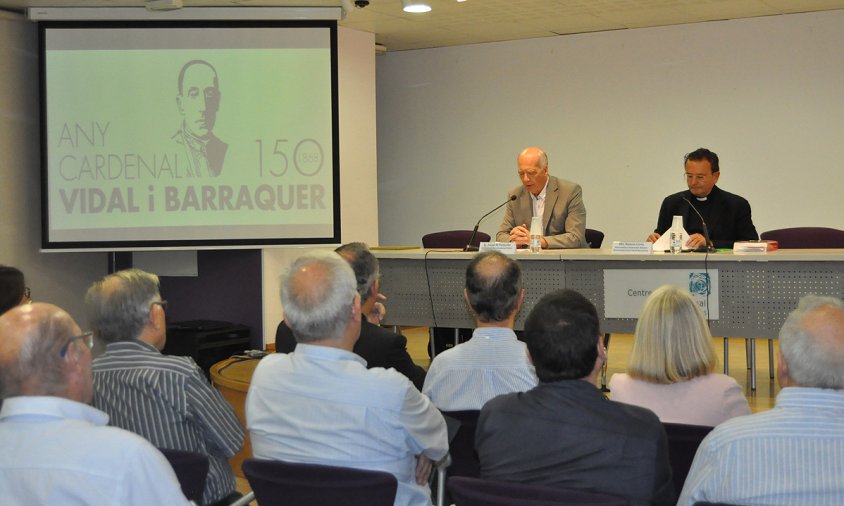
(791, 454)
(321, 405)
(56, 448)
(494, 361)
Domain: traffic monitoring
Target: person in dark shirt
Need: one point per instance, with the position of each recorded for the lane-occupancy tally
(727, 215)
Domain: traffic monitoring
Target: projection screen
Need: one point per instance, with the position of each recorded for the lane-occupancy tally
(188, 134)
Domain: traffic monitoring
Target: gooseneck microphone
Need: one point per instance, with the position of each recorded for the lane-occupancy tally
(707, 248)
(470, 246)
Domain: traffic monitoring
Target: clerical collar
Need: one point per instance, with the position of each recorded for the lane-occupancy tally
(701, 199)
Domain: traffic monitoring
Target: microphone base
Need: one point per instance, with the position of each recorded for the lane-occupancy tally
(470, 247)
(703, 249)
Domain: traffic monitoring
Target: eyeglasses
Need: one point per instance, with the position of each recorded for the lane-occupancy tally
(87, 339)
(162, 303)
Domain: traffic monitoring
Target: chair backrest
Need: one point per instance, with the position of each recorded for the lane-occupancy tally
(452, 239)
(464, 458)
(594, 238)
(806, 237)
(683, 441)
(476, 492)
(278, 483)
(707, 503)
(191, 469)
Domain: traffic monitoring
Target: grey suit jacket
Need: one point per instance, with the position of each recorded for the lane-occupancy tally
(564, 219)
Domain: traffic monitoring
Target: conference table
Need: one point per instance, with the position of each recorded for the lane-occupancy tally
(755, 291)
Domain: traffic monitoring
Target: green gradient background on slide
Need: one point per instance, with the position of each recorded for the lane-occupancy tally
(270, 100)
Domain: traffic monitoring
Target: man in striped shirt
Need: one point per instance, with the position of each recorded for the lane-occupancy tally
(793, 453)
(163, 398)
(493, 362)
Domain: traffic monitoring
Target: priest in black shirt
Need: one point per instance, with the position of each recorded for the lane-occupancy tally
(727, 215)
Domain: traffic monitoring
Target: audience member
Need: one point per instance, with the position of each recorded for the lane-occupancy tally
(55, 448)
(13, 289)
(164, 398)
(493, 362)
(378, 346)
(793, 453)
(558, 202)
(672, 367)
(565, 433)
(321, 405)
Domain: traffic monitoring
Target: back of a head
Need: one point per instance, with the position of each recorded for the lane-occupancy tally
(119, 304)
(493, 284)
(561, 333)
(31, 340)
(318, 293)
(363, 263)
(672, 341)
(12, 286)
(812, 342)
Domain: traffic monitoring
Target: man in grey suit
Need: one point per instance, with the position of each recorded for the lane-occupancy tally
(559, 202)
(564, 433)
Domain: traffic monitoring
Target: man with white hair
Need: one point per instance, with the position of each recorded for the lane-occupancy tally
(56, 449)
(793, 453)
(321, 405)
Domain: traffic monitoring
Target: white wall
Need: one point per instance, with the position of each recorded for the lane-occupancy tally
(616, 111)
(59, 278)
(358, 175)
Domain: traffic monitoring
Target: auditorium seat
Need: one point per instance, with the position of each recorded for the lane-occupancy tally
(477, 492)
(683, 441)
(452, 239)
(191, 469)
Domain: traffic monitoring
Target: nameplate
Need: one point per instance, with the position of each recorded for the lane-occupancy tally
(507, 248)
(630, 248)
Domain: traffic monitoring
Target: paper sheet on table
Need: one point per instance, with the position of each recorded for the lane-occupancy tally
(664, 241)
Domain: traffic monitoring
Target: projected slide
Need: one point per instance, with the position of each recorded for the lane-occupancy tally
(189, 136)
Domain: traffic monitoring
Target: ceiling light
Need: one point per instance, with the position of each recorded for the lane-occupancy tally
(415, 6)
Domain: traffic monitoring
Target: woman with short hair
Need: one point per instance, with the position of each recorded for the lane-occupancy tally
(671, 370)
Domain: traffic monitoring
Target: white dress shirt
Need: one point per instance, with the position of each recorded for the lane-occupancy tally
(59, 452)
(321, 405)
(492, 363)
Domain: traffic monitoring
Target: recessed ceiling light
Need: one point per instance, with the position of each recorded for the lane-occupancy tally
(415, 6)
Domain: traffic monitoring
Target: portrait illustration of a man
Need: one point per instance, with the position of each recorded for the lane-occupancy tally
(198, 101)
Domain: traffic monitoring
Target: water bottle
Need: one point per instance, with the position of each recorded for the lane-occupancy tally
(535, 234)
(675, 237)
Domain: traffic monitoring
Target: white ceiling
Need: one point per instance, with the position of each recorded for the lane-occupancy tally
(452, 23)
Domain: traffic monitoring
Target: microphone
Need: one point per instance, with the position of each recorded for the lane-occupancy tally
(470, 246)
(707, 248)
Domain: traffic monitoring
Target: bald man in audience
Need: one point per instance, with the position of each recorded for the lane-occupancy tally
(793, 453)
(56, 449)
(493, 361)
(321, 405)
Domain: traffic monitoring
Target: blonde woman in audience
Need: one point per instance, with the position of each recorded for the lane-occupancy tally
(672, 367)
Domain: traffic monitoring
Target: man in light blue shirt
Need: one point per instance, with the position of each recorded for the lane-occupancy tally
(55, 448)
(493, 362)
(321, 405)
(793, 453)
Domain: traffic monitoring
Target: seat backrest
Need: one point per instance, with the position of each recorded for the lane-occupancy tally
(452, 239)
(477, 492)
(806, 237)
(707, 503)
(191, 469)
(278, 483)
(464, 458)
(594, 238)
(683, 441)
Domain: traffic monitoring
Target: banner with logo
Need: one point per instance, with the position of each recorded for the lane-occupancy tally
(625, 290)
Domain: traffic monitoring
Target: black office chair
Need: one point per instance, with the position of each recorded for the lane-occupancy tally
(594, 238)
(191, 469)
(683, 441)
(707, 503)
(453, 239)
(476, 492)
(279, 483)
(464, 458)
